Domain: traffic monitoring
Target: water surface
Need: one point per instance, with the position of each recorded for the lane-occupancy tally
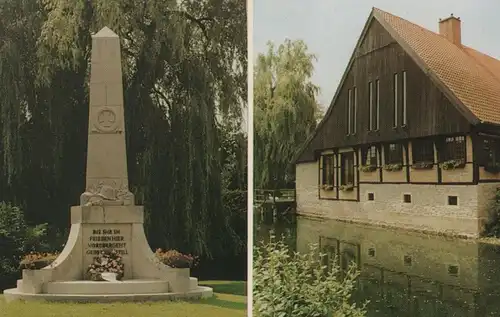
(402, 273)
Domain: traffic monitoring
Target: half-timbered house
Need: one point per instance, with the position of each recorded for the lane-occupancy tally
(412, 135)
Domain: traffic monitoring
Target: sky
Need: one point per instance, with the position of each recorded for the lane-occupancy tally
(331, 28)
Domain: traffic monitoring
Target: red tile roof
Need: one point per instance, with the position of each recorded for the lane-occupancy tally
(473, 77)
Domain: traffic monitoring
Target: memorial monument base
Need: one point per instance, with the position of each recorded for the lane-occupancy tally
(96, 228)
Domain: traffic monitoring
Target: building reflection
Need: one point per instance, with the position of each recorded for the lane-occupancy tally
(411, 274)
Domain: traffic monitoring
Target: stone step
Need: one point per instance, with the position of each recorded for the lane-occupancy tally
(199, 292)
(119, 287)
(20, 284)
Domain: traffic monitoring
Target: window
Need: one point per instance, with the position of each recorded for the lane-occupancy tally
(349, 110)
(453, 149)
(377, 105)
(453, 200)
(371, 252)
(403, 112)
(395, 89)
(327, 170)
(369, 155)
(491, 152)
(407, 198)
(371, 196)
(354, 109)
(370, 106)
(422, 151)
(347, 168)
(407, 260)
(453, 270)
(394, 153)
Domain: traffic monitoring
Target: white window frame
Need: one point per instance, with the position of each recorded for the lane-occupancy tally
(405, 115)
(395, 88)
(370, 105)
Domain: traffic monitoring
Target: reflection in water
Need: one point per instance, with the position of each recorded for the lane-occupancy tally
(403, 273)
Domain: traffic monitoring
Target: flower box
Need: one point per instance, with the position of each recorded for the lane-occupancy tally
(393, 167)
(37, 261)
(368, 168)
(327, 187)
(422, 165)
(180, 281)
(176, 259)
(453, 164)
(346, 188)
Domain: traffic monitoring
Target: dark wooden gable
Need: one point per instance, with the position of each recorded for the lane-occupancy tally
(379, 56)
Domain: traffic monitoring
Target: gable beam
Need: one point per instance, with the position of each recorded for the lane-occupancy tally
(339, 88)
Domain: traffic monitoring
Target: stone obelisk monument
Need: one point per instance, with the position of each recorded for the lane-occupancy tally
(107, 178)
(107, 217)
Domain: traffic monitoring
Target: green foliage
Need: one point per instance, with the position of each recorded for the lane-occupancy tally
(285, 111)
(16, 240)
(299, 285)
(184, 76)
(492, 227)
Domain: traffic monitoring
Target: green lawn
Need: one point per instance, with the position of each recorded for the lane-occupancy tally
(229, 300)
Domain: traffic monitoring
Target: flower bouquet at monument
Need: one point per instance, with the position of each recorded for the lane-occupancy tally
(37, 260)
(176, 259)
(107, 262)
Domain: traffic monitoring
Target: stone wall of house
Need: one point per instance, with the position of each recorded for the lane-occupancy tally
(428, 209)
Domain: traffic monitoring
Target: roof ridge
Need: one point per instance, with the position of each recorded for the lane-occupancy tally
(407, 21)
(468, 76)
(486, 68)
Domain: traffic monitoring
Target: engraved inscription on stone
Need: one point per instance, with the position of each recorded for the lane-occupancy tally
(106, 239)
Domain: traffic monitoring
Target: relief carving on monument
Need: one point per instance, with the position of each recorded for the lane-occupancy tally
(107, 121)
(107, 194)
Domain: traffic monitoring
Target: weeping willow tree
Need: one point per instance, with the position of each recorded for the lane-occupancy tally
(285, 111)
(184, 78)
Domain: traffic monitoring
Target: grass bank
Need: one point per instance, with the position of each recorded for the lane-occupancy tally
(229, 300)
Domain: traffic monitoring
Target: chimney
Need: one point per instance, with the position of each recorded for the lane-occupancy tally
(451, 29)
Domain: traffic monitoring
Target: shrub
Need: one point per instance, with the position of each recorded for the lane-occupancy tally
(16, 240)
(492, 228)
(175, 259)
(294, 284)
